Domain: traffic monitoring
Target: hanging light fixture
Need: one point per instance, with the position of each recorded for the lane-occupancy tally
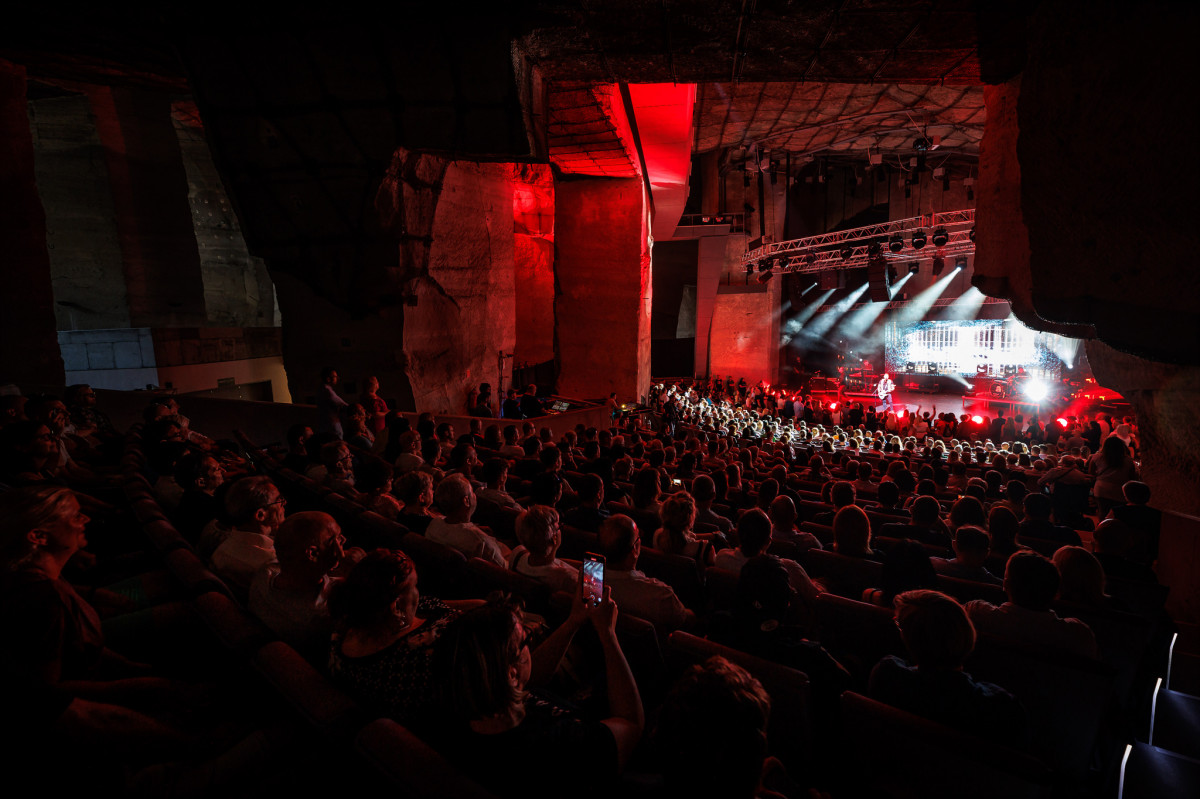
(918, 239)
(940, 237)
(896, 242)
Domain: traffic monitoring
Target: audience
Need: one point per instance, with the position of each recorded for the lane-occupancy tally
(255, 509)
(640, 595)
(940, 637)
(384, 636)
(379, 636)
(1031, 583)
(539, 532)
(590, 513)
(970, 553)
(676, 536)
(496, 724)
(291, 594)
(456, 500)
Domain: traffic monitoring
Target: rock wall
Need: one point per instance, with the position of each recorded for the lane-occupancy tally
(237, 288)
(455, 221)
(1099, 178)
(602, 266)
(28, 341)
(745, 332)
(81, 227)
(150, 196)
(533, 258)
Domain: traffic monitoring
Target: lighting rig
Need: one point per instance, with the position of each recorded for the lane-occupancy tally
(952, 234)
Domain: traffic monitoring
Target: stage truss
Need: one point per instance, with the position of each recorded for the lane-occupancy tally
(824, 252)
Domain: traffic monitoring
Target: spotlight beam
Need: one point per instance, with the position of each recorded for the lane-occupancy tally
(793, 326)
(818, 327)
(856, 323)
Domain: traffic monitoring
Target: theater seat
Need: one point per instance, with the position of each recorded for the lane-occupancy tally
(856, 633)
(1068, 699)
(841, 574)
(904, 756)
(789, 731)
(235, 629)
(483, 577)
(678, 571)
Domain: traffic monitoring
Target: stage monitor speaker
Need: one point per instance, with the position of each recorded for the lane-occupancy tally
(879, 287)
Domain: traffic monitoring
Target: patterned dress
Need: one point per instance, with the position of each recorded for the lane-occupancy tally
(397, 680)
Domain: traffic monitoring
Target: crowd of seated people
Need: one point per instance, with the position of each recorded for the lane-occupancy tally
(956, 534)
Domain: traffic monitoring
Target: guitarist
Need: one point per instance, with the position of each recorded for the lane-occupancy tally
(883, 390)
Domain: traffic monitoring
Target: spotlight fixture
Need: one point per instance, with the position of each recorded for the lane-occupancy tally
(960, 262)
(896, 242)
(810, 258)
(939, 263)
(750, 268)
(765, 265)
(893, 278)
(972, 234)
(874, 248)
(914, 267)
(940, 237)
(918, 239)
(845, 253)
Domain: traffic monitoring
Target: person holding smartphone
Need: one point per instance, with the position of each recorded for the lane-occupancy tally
(508, 737)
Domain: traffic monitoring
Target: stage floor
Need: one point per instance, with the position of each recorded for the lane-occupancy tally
(945, 403)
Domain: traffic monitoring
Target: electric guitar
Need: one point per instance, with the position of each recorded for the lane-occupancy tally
(885, 387)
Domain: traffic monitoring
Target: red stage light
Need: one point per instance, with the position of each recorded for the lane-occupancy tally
(900, 414)
(976, 419)
(833, 406)
(1061, 421)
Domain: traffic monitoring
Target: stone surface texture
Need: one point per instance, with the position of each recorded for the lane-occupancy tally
(237, 287)
(149, 188)
(533, 260)
(455, 221)
(81, 227)
(745, 332)
(602, 265)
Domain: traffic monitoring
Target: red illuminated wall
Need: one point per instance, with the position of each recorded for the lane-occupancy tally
(602, 260)
(533, 262)
(745, 335)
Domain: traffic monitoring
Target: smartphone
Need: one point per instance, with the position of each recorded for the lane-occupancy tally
(593, 578)
(676, 482)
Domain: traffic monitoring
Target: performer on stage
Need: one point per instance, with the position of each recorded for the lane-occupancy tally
(884, 389)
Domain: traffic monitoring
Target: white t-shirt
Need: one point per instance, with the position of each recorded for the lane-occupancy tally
(468, 539)
(558, 575)
(241, 555)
